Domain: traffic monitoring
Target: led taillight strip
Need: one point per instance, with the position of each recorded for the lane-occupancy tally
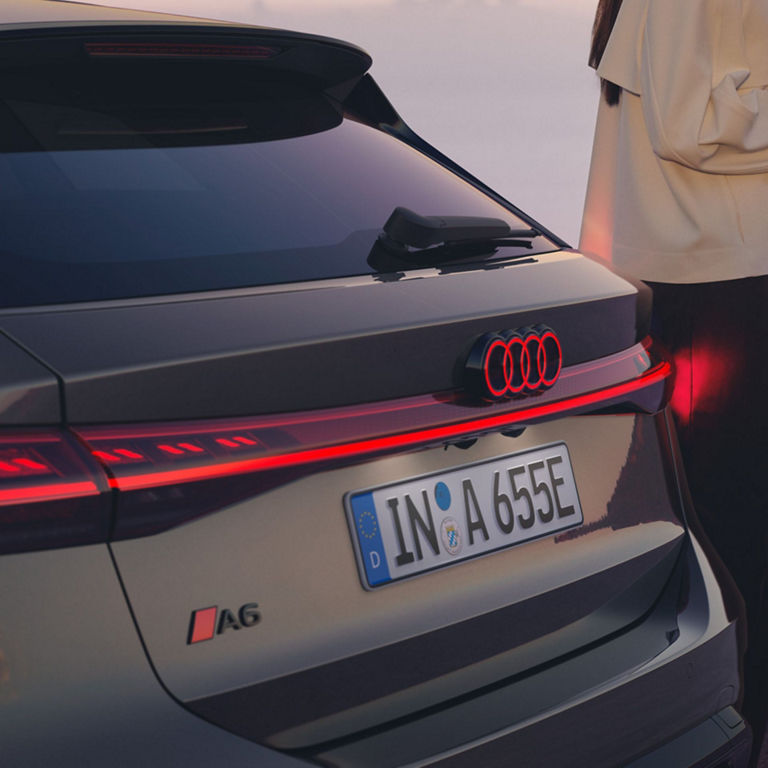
(45, 465)
(52, 493)
(124, 479)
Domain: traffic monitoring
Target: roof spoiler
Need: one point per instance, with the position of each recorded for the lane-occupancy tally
(326, 62)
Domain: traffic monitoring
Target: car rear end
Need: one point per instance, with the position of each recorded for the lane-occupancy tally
(268, 499)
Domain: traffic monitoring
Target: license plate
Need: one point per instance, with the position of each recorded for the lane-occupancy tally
(428, 522)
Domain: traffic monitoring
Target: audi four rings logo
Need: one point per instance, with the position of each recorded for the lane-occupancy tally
(510, 363)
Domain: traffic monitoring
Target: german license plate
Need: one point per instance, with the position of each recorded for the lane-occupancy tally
(428, 522)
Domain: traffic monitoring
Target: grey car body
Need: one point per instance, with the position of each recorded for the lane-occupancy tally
(184, 432)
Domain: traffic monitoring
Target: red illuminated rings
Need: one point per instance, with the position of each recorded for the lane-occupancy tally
(510, 363)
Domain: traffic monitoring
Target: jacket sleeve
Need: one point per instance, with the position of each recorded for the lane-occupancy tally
(693, 66)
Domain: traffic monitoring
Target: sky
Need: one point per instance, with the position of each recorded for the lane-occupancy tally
(501, 86)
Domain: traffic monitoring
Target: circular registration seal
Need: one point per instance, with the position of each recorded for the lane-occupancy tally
(449, 533)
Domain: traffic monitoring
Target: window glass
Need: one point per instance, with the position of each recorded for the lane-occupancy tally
(105, 200)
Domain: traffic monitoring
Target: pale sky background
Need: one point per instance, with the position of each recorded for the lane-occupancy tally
(501, 86)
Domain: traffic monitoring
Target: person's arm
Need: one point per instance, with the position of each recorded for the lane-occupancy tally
(694, 64)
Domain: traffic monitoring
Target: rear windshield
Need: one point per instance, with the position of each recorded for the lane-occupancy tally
(136, 191)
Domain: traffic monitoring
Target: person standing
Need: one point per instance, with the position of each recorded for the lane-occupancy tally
(678, 197)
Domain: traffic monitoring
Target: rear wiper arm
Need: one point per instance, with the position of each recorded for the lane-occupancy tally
(417, 240)
(408, 228)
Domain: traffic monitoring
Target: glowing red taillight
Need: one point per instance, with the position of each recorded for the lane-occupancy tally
(52, 493)
(17, 463)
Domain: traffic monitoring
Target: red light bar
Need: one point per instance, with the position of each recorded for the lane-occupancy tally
(170, 50)
(278, 443)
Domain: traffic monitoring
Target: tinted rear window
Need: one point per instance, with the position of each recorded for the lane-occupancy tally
(142, 191)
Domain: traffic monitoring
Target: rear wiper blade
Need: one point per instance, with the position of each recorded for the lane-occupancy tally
(408, 228)
(415, 240)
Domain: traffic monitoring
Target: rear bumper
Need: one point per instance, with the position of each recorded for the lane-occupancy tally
(610, 729)
(103, 706)
(673, 710)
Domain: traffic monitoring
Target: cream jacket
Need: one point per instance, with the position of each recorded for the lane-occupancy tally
(678, 188)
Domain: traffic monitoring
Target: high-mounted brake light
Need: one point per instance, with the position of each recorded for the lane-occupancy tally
(173, 50)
